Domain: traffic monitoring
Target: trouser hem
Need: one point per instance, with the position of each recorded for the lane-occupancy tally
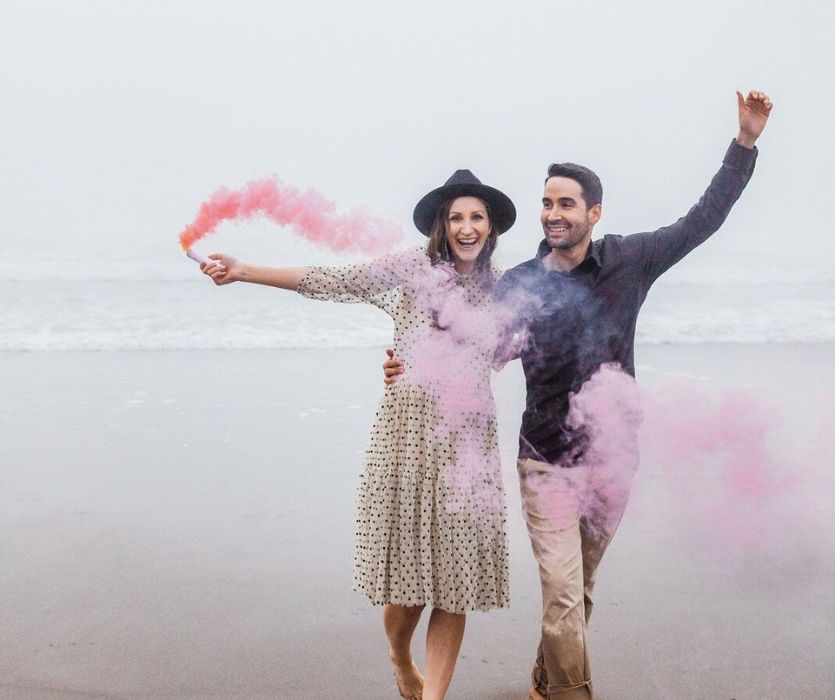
(577, 691)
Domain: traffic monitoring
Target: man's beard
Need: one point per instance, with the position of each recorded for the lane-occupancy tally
(575, 234)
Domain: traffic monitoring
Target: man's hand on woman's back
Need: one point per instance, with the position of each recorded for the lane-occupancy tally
(391, 367)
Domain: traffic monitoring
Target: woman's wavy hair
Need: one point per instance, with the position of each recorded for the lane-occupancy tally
(438, 247)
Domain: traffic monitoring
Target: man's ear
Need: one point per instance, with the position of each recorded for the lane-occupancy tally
(594, 213)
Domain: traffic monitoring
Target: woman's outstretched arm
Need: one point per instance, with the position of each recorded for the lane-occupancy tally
(227, 269)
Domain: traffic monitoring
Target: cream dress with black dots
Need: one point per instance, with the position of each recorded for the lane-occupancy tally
(430, 526)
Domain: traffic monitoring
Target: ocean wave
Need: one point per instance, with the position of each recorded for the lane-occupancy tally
(135, 315)
(171, 265)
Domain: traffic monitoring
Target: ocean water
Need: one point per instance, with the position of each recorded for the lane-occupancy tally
(111, 306)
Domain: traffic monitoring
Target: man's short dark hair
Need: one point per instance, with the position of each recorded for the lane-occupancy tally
(588, 180)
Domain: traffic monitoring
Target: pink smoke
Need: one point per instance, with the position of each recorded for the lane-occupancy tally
(308, 213)
(450, 360)
(727, 434)
(692, 423)
(692, 430)
(721, 446)
(608, 409)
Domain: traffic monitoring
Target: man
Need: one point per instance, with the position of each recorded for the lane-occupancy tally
(576, 306)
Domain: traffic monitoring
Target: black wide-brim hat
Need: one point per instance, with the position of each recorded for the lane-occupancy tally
(463, 183)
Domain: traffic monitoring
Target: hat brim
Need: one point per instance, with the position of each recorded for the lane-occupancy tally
(502, 211)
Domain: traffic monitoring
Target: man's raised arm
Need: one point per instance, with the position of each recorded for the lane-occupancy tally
(664, 247)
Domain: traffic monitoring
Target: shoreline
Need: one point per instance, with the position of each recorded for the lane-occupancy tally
(198, 349)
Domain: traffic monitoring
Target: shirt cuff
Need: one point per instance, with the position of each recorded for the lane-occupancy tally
(739, 157)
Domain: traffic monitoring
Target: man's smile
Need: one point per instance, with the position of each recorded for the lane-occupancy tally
(558, 228)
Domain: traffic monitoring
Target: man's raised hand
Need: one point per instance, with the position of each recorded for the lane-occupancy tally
(753, 115)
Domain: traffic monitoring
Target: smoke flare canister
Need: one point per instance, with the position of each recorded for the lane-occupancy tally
(200, 259)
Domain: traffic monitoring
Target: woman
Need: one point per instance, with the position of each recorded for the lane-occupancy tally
(431, 515)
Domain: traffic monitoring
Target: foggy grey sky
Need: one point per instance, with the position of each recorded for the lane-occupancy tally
(119, 118)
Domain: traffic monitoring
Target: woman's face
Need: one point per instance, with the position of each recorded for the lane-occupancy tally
(467, 228)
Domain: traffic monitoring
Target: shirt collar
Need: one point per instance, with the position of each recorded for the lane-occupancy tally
(593, 253)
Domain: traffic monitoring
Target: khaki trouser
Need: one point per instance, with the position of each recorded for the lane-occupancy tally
(560, 507)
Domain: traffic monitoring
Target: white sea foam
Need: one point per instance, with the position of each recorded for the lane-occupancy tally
(104, 314)
(154, 263)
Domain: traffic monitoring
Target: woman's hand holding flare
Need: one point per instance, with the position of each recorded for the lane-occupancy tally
(222, 268)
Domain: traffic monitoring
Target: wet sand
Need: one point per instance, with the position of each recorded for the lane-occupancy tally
(180, 525)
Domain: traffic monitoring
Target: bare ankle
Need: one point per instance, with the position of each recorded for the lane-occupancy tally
(401, 657)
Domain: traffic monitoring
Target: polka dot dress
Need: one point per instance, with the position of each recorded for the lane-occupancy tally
(430, 526)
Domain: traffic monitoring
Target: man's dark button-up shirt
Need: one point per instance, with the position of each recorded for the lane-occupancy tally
(579, 320)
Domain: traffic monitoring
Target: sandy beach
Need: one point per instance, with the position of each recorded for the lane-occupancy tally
(179, 524)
